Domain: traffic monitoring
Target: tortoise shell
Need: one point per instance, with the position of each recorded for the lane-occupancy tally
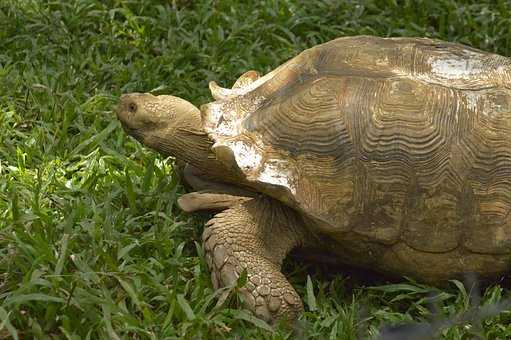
(397, 143)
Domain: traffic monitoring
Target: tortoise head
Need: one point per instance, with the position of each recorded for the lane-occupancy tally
(168, 124)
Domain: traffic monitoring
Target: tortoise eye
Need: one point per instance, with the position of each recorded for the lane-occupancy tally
(132, 107)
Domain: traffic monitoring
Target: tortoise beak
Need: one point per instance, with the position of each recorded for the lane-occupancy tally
(118, 108)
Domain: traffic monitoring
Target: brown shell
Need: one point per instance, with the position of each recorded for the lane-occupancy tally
(400, 143)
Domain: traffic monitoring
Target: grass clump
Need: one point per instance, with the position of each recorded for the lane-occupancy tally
(91, 243)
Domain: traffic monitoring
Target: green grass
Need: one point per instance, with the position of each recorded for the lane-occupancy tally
(91, 242)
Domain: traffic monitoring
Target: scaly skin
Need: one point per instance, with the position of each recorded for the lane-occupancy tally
(253, 234)
(256, 236)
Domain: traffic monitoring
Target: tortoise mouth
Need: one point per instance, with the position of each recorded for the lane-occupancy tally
(121, 115)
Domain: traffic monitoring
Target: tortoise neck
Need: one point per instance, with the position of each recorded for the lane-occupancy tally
(188, 142)
(193, 146)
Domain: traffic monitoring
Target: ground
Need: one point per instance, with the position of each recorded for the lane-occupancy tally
(92, 244)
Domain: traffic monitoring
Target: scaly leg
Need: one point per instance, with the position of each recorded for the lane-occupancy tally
(256, 236)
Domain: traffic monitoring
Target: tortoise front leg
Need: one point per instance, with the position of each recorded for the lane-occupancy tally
(256, 236)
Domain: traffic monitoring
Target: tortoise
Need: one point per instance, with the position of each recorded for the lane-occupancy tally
(392, 154)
